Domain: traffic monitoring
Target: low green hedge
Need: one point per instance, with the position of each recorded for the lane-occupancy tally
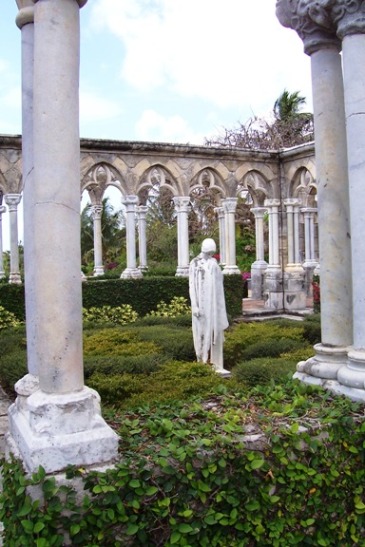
(142, 294)
(186, 476)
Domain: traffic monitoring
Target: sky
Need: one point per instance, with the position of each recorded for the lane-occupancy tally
(176, 71)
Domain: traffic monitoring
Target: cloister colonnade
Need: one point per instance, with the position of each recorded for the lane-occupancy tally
(280, 186)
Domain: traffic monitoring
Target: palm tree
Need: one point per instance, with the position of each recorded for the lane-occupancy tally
(287, 106)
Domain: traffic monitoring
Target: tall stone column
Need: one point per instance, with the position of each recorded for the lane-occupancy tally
(229, 208)
(258, 268)
(296, 233)
(273, 281)
(131, 271)
(351, 30)
(60, 423)
(310, 262)
(222, 234)
(142, 242)
(323, 47)
(98, 248)
(25, 22)
(182, 208)
(12, 201)
(2, 273)
(294, 276)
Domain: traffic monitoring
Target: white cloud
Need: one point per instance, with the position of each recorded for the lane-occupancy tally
(95, 108)
(229, 53)
(154, 126)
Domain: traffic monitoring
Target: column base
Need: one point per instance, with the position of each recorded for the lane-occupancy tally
(15, 278)
(229, 270)
(273, 288)
(325, 364)
(357, 395)
(352, 374)
(294, 291)
(57, 430)
(99, 270)
(182, 271)
(131, 273)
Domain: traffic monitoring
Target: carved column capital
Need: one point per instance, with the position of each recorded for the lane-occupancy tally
(259, 211)
(312, 20)
(97, 211)
(182, 204)
(12, 201)
(130, 202)
(26, 12)
(229, 205)
(349, 17)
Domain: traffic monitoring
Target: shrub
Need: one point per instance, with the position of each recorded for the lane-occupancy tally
(312, 329)
(115, 341)
(173, 381)
(262, 371)
(271, 347)
(122, 364)
(8, 319)
(175, 342)
(178, 306)
(120, 315)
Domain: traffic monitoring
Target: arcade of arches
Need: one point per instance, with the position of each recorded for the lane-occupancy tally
(280, 187)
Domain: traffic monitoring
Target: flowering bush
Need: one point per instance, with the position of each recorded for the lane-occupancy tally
(178, 306)
(120, 315)
(8, 319)
(316, 294)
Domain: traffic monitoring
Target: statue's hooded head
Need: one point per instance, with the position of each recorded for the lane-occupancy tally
(209, 246)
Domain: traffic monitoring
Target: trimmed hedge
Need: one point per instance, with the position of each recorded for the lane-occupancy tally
(142, 294)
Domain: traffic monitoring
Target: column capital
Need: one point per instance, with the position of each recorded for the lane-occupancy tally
(309, 210)
(26, 13)
(272, 203)
(130, 202)
(349, 17)
(97, 211)
(12, 201)
(259, 211)
(312, 20)
(229, 205)
(182, 203)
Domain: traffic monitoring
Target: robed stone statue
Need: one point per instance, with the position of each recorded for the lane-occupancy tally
(209, 316)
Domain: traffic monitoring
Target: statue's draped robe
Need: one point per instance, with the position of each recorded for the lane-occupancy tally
(207, 297)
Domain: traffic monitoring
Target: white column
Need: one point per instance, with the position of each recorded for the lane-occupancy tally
(59, 424)
(296, 233)
(12, 201)
(2, 273)
(131, 271)
(333, 196)
(142, 242)
(25, 22)
(98, 246)
(222, 235)
(182, 208)
(272, 206)
(229, 207)
(258, 268)
(290, 234)
(351, 29)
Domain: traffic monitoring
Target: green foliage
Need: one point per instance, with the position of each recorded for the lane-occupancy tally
(188, 476)
(244, 335)
(8, 319)
(114, 341)
(12, 299)
(178, 306)
(271, 347)
(263, 370)
(13, 363)
(312, 328)
(120, 315)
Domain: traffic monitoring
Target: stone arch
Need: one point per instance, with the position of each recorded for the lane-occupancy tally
(257, 187)
(157, 176)
(98, 178)
(303, 187)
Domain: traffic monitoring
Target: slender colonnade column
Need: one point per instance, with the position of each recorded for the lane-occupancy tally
(229, 207)
(323, 47)
(142, 242)
(258, 268)
(131, 270)
(60, 423)
(273, 281)
(98, 248)
(182, 208)
(222, 234)
(2, 273)
(12, 201)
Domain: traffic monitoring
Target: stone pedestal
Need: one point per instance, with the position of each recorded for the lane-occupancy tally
(273, 288)
(295, 298)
